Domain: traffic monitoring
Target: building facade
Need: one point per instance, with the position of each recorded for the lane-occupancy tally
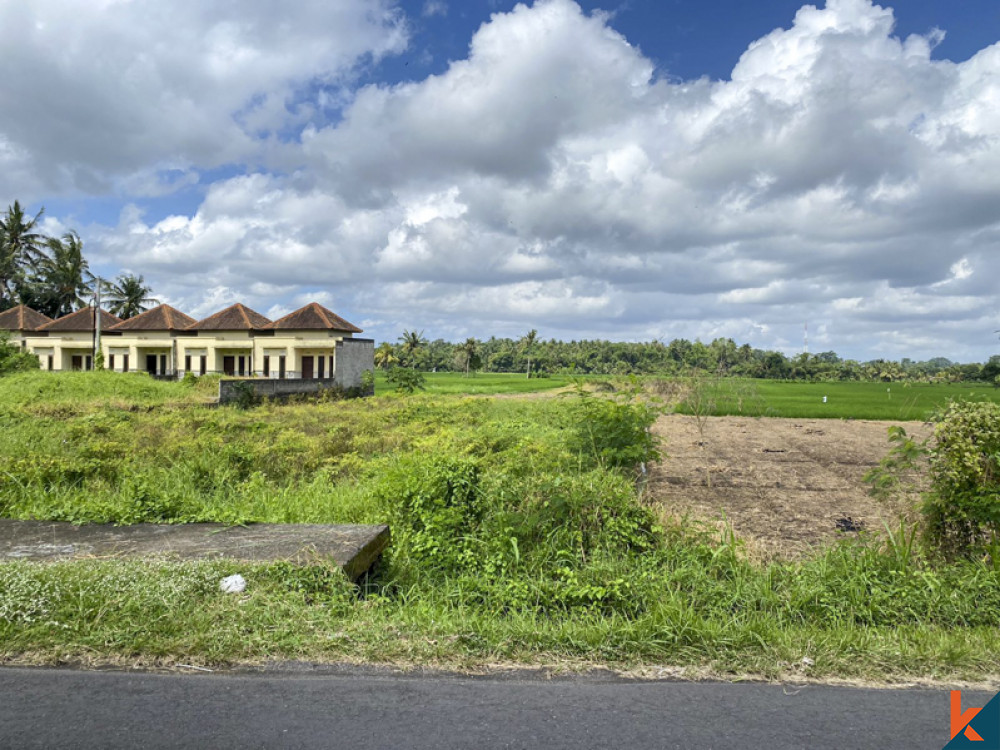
(311, 343)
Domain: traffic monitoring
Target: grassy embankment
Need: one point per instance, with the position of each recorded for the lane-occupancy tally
(517, 537)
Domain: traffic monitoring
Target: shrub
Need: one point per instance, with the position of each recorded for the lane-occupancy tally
(246, 395)
(435, 504)
(962, 509)
(406, 379)
(614, 432)
(12, 359)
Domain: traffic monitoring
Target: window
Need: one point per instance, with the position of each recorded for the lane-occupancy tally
(320, 373)
(124, 363)
(281, 366)
(187, 363)
(51, 362)
(267, 366)
(204, 361)
(111, 362)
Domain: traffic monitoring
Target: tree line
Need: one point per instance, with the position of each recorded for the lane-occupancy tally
(536, 357)
(51, 274)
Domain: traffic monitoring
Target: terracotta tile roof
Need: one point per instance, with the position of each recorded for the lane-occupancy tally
(22, 318)
(160, 318)
(237, 317)
(313, 317)
(81, 320)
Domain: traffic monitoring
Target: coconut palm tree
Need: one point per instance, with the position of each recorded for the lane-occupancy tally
(412, 342)
(64, 274)
(385, 356)
(20, 248)
(469, 351)
(128, 296)
(528, 344)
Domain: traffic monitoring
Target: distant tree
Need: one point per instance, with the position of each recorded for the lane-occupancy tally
(20, 249)
(412, 342)
(528, 345)
(385, 356)
(991, 370)
(128, 296)
(468, 354)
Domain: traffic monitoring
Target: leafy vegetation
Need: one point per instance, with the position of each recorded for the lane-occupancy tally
(405, 380)
(12, 359)
(962, 509)
(722, 357)
(517, 535)
(51, 274)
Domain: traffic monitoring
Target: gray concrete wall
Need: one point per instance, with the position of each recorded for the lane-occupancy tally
(353, 358)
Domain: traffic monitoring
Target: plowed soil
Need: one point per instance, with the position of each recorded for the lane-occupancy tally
(785, 486)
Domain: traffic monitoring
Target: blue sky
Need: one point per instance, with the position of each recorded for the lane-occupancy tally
(635, 170)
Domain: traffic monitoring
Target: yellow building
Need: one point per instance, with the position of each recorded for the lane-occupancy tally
(68, 343)
(146, 342)
(311, 343)
(221, 343)
(303, 344)
(22, 321)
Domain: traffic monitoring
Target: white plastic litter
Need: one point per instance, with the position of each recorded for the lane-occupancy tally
(824, 399)
(233, 584)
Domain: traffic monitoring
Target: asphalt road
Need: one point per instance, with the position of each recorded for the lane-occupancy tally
(48, 708)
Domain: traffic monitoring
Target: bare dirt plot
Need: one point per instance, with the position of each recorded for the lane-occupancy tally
(782, 484)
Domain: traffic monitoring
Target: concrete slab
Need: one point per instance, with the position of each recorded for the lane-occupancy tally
(354, 548)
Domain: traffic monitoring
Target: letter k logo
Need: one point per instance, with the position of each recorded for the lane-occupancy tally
(961, 721)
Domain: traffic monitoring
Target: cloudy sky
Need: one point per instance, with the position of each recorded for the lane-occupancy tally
(627, 170)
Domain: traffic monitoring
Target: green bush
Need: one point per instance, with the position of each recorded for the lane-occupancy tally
(962, 509)
(405, 379)
(436, 506)
(246, 395)
(12, 359)
(614, 431)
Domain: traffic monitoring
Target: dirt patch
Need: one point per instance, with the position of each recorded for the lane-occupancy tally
(785, 486)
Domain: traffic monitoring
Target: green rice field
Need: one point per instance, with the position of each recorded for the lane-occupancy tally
(844, 400)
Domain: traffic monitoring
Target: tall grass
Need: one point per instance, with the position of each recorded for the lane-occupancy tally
(517, 536)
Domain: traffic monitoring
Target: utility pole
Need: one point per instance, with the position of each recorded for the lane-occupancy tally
(97, 321)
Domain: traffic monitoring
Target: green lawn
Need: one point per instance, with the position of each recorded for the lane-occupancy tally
(844, 400)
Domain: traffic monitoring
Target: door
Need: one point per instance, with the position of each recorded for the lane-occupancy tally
(151, 364)
(77, 362)
(307, 368)
(229, 365)
(321, 361)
